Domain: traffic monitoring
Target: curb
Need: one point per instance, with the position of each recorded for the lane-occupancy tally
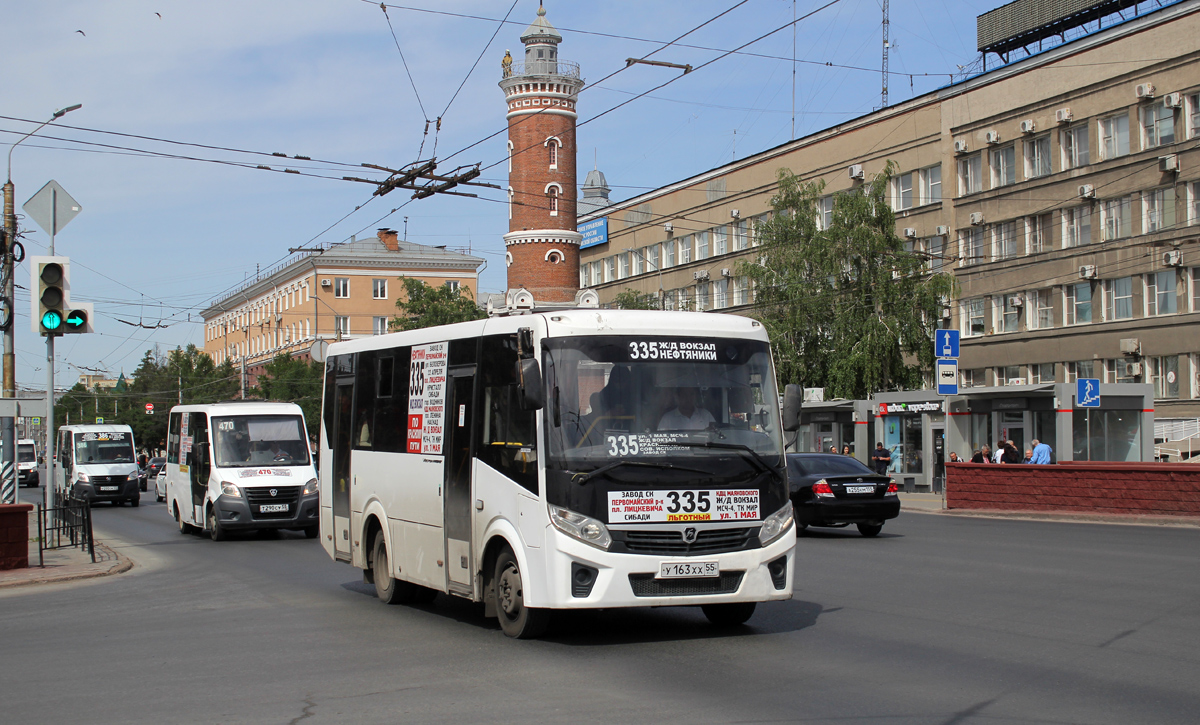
(1176, 522)
(120, 565)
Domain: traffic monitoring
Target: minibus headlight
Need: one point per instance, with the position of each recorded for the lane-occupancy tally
(310, 488)
(134, 476)
(230, 489)
(585, 528)
(776, 525)
(84, 478)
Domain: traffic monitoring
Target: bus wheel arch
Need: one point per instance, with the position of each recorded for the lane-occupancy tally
(371, 527)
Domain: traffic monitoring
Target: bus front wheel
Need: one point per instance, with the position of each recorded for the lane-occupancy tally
(216, 532)
(728, 615)
(516, 620)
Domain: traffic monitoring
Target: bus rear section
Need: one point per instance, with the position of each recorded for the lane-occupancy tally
(561, 461)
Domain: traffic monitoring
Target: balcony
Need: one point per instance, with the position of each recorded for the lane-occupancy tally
(548, 67)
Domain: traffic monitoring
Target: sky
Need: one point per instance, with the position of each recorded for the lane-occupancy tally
(167, 227)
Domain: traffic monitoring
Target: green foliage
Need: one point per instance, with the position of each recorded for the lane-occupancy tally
(426, 306)
(287, 379)
(848, 308)
(631, 299)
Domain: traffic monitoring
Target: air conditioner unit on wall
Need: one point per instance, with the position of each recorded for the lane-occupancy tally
(1016, 300)
(1028, 126)
(992, 137)
(700, 274)
(1087, 271)
(726, 272)
(1063, 115)
(961, 147)
(1087, 191)
(1173, 258)
(942, 230)
(735, 213)
(326, 282)
(910, 233)
(976, 218)
(1144, 90)
(1131, 346)
(1170, 162)
(1173, 100)
(856, 171)
(1133, 369)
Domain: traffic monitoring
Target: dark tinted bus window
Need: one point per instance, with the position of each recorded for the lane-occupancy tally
(391, 399)
(173, 439)
(364, 401)
(508, 440)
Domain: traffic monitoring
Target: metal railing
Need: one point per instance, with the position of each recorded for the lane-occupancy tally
(546, 67)
(66, 524)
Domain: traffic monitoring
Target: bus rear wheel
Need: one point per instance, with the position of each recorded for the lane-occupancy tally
(389, 589)
(183, 528)
(516, 620)
(728, 615)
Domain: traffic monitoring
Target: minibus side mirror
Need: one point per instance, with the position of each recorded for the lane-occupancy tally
(529, 384)
(793, 398)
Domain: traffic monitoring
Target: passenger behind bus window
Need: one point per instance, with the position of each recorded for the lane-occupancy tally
(686, 415)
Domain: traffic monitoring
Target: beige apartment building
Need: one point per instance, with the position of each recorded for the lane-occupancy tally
(1061, 189)
(346, 291)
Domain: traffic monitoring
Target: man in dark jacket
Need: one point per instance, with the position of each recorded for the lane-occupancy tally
(881, 458)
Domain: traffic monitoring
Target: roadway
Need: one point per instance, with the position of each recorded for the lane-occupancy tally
(939, 620)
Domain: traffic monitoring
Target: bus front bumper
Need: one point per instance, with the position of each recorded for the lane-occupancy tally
(107, 492)
(236, 514)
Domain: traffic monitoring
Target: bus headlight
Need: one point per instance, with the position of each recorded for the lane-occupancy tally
(309, 488)
(585, 528)
(776, 525)
(83, 478)
(230, 489)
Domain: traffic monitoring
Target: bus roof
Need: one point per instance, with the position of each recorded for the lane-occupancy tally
(240, 407)
(90, 428)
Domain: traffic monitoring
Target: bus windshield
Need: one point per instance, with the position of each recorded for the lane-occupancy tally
(653, 399)
(253, 440)
(103, 447)
(26, 453)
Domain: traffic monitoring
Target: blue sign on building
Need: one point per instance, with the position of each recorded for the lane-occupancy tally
(594, 232)
(947, 377)
(1087, 393)
(945, 343)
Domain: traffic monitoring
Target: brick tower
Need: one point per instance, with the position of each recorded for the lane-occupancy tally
(542, 244)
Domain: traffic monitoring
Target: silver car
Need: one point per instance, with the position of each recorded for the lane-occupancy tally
(160, 485)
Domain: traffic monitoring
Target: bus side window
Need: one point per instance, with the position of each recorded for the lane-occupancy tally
(173, 439)
(391, 399)
(364, 400)
(508, 433)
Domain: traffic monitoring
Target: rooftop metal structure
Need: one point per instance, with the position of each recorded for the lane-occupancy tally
(1023, 23)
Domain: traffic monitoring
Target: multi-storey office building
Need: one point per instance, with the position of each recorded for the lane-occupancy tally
(1062, 190)
(346, 291)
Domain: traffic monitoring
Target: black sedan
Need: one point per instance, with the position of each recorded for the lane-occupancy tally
(154, 466)
(832, 490)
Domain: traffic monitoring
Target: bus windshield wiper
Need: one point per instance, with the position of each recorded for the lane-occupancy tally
(754, 458)
(582, 478)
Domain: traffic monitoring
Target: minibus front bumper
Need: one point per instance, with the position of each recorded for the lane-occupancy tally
(247, 511)
(107, 489)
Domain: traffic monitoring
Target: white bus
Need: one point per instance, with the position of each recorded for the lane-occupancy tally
(565, 460)
(97, 463)
(240, 465)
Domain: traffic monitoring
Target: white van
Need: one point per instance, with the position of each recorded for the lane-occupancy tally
(97, 463)
(27, 463)
(239, 466)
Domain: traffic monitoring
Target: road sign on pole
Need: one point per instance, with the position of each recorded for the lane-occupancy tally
(149, 408)
(947, 377)
(52, 208)
(1087, 393)
(945, 343)
(99, 421)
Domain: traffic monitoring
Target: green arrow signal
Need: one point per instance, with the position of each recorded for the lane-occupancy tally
(52, 320)
(77, 319)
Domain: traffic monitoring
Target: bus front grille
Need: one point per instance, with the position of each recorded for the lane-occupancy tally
(261, 496)
(671, 543)
(645, 585)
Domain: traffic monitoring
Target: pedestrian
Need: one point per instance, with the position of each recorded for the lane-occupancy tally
(1041, 453)
(998, 455)
(983, 455)
(1011, 454)
(954, 457)
(1028, 455)
(846, 451)
(881, 458)
(833, 450)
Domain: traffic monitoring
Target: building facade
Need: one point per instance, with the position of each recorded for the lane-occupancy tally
(1062, 190)
(346, 291)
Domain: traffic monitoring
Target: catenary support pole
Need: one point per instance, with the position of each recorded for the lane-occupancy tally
(8, 481)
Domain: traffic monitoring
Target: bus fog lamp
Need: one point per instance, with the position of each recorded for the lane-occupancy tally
(776, 525)
(230, 489)
(578, 526)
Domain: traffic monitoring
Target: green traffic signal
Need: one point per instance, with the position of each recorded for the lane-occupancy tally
(52, 320)
(77, 321)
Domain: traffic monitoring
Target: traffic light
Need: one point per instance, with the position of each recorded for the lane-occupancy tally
(51, 294)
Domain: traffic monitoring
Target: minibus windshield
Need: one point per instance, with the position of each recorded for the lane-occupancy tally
(103, 447)
(26, 454)
(254, 440)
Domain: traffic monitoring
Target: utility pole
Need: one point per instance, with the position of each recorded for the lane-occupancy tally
(886, 47)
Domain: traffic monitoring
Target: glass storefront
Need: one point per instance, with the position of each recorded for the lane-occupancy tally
(1107, 435)
(903, 436)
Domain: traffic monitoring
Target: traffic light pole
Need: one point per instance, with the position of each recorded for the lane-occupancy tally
(8, 468)
(51, 429)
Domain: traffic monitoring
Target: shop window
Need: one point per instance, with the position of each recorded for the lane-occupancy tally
(1107, 435)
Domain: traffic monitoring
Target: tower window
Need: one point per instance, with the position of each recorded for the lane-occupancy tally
(541, 53)
(553, 154)
(553, 196)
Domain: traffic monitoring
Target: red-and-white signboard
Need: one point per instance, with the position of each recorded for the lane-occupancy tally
(149, 406)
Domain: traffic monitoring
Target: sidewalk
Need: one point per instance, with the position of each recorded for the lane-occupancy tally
(931, 503)
(66, 564)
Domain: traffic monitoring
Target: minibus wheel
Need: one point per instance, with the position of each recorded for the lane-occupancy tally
(183, 528)
(215, 531)
(387, 588)
(516, 620)
(312, 532)
(728, 615)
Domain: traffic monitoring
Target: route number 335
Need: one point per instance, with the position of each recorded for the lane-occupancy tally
(626, 445)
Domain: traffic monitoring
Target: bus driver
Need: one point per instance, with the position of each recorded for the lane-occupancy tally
(686, 415)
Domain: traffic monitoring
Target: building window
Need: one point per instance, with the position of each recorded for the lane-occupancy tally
(685, 250)
(1081, 369)
(637, 259)
(1158, 208)
(1074, 142)
(975, 378)
(971, 244)
(1116, 218)
(1160, 293)
(702, 296)
(740, 241)
(1009, 375)
(758, 230)
(1194, 202)
(622, 265)
(379, 289)
(1004, 240)
(1004, 166)
(1193, 108)
(720, 294)
(937, 253)
(341, 287)
(701, 245)
(975, 312)
(1041, 309)
(379, 326)
(597, 276)
(552, 197)
(1010, 313)
(584, 281)
(341, 325)
(552, 147)
(610, 269)
(1038, 233)
(1158, 125)
(1164, 374)
(931, 184)
(669, 253)
(1077, 226)
(1118, 299)
(1120, 370)
(1114, 136)
(741, 291)
(902, 192)
(1041, 373)
(824, 212)
(669, 300)
(1078, 301)
(651, 254)
(720, 240)
(970, 175)
(453, 284)
(1037, 157)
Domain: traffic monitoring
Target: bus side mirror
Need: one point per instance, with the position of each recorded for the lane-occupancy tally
(529, 385)
(793, 398)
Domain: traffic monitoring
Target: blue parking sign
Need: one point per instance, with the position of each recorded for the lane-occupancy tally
(945, 343)
(1087, 393)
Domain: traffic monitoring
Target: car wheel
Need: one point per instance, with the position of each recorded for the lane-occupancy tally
(517, 620)
(870, 529)
(312, 532)
(216, 532)
(728, 615)
(159, 499)
(135, 501)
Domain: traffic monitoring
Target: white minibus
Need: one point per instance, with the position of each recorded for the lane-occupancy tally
(27, 462)
(561, 460)
(97, 463)
(240, 465)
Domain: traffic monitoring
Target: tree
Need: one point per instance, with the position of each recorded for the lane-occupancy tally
(848, 306)
(631, 299)
(426, 306)
(296, 381)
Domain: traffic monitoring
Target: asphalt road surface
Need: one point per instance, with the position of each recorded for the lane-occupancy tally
(939, 620)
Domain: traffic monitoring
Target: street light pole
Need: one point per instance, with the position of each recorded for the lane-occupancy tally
(7, 439)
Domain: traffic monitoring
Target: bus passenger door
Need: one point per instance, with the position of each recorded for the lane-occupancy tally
(458, 499)
(198, 467)
(343, 423)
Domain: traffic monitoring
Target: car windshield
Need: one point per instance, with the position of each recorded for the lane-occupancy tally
(253, 440)
(660, 399)
(103, 447)
(25, 454)
(157, 461)
(827, 465)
